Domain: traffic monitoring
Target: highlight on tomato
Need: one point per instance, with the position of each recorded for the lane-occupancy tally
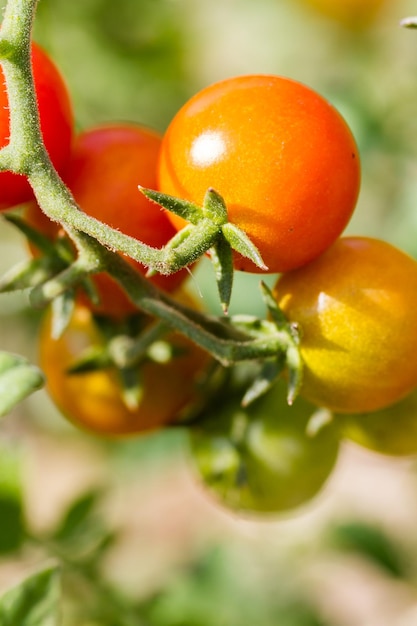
(391, 431)
(107, 164)
(93, 400)
(355, 306)
(266, 458)
(282, 157)
(56, 120)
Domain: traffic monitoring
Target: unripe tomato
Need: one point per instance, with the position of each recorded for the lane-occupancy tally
(355, 306)
(108, 163)
(56, 119)
(93, 400)
(281, 156)
(391, 431)
(264, 458)
(350, 13)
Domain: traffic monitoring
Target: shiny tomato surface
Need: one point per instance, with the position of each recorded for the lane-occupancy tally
(281, 156)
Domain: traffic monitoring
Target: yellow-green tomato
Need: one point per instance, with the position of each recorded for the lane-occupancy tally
(391, 431)
(268, 457)
(356, 307)
(355, 14)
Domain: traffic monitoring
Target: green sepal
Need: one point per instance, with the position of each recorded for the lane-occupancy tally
(275, 312)
(214, 207)
(294, 365)
(271, 370)
(27, 274)
(409, 22)
(91, 360)
(62, 309)
(221, 257)
(42, 243)
(183, 208)
(131, 387)
(18, 379)
(240, 242)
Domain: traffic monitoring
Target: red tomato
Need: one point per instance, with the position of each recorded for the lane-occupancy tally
(56, 120)
(356, 308)
(282, 157)
(107, 165)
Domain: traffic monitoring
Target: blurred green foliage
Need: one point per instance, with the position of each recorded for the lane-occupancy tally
(140, 60)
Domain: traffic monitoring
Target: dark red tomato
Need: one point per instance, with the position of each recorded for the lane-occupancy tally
(56, 120)
(282, 157)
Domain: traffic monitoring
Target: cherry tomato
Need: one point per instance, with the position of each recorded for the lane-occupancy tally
(56, 119)
(355, 306)
(265, 458)
(107, 164)
(281, 156)
(391, 431)
(93, 400)
(353, 14)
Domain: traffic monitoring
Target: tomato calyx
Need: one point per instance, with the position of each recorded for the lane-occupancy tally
(208, 231)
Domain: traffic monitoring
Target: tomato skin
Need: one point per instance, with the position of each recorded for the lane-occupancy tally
(92, 400)
(355, 306)
(108, 163)
(56, 119)
(277, 466)
(282, 157)
(390, 431)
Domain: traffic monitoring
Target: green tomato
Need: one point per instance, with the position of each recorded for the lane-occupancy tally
(391, 431)
(269, 457)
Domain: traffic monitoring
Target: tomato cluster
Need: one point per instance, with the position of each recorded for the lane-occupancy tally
(287, 167)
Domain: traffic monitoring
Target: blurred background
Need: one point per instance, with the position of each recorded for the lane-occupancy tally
(164, 553)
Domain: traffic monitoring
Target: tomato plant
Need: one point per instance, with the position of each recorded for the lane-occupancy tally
(266, 457)
(93, 400)
(56, 120)
(107, 164)
(356, 306)
(281, 156)
(391, 431)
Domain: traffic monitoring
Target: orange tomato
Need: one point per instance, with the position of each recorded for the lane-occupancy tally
(281, 156)
(93, 400)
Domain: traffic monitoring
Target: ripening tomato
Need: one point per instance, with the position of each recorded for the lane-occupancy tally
(56, 119)
(354, 14)
(108, 163)
(267, 457)
(93, 400)
(391, 431)
(355, 306)
(281, 156)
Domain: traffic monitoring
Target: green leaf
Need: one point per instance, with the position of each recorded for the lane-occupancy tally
(371, 543)
(11, 507)
(185, 209)
(34, 602)
(18, 379)
(222, 260)
(12, 527)
(77, 516)
(240, 242)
